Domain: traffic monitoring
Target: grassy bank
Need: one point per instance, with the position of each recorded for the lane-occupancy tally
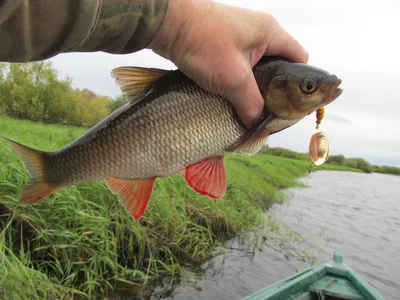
(340, 160)
(82, 241)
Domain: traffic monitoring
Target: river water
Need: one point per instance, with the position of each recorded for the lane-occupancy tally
(356, 214)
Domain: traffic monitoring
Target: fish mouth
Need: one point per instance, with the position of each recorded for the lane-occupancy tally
(333, 91)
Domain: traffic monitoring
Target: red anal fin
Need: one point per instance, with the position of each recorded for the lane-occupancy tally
(208, 177)
(134, 194)
(254, 144)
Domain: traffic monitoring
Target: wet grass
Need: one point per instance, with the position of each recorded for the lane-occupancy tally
(81, 241)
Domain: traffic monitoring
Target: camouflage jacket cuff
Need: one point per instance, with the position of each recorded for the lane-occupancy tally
(39, 29)
(125, 26)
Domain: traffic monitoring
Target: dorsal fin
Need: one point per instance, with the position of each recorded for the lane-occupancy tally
(134, 80)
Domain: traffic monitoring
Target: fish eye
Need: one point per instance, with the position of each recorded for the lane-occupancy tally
(308, 86)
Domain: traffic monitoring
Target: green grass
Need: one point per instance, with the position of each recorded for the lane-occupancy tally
(82, 241)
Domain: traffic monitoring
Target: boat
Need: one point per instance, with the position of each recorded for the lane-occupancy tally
(332, 280)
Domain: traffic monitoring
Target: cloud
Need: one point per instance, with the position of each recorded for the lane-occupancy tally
(338, 118)
(356, 40)
(93, 70)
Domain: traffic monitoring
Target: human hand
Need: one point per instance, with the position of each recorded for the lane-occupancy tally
(216, 45)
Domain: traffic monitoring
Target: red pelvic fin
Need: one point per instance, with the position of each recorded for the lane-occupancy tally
(134, 194)
(208, 177)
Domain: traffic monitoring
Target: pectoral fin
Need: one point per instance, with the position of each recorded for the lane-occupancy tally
(254, 144)
(253, 141)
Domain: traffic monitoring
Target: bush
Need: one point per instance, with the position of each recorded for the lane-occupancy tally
(386, 170)
(32, 91)
(336, 159)
(350, 163)
(358, 163)
(282, 152)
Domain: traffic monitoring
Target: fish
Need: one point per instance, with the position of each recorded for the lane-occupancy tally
(172, 126)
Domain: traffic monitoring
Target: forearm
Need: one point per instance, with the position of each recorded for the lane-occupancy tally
(38, 29)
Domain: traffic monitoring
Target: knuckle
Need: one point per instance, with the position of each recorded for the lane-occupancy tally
(266, 20)
(258, 103)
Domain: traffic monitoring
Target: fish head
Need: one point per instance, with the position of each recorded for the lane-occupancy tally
(297, 90)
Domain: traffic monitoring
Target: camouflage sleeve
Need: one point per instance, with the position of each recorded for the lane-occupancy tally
(39, 29)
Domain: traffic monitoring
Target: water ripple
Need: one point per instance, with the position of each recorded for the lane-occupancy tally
(362, 212)
(357, 214)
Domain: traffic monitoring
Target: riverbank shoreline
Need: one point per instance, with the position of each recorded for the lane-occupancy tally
(81, 241)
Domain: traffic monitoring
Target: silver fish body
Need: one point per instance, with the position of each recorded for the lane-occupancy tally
(171, 125)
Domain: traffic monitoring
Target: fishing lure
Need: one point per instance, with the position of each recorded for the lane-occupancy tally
(319, 143)
(320, 115)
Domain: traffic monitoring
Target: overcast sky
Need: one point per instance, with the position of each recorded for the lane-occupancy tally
(356, 40)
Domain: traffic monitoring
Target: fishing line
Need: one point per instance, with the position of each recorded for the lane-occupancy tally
(314, 152)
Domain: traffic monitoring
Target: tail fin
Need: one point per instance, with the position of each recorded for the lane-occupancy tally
(37, 187)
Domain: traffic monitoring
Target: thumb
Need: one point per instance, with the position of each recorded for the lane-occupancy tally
(247, 101)
(286, 45)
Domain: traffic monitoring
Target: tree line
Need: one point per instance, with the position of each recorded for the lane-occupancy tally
(33, 91)
(360, 163)
(356, 163)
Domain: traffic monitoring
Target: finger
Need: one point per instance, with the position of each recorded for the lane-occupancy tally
(247, 101)
(286, 45)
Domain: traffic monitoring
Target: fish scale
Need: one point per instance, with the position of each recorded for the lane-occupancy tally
(171, 125)
(162, 137)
